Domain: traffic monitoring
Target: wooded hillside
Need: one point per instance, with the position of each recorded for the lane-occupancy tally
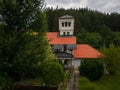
(91, 27)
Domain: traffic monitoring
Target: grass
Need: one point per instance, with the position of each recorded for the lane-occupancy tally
(35, 81)
(107, 82)
(85, 84)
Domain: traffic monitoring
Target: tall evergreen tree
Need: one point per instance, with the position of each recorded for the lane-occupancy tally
(20, 50)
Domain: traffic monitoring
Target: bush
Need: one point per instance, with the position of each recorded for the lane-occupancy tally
(52, 73)
(92, 69)
(4, 81)
(112, 60)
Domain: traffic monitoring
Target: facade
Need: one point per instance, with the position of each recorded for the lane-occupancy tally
(66, 25)
(64, 44)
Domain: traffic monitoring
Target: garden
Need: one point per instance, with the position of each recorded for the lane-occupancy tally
(95, 77)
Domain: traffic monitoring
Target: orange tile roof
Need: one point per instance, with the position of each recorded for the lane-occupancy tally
(55, 39)
(86, 51)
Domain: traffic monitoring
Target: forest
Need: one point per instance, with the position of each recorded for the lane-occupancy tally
(25, 56)
(91, 26)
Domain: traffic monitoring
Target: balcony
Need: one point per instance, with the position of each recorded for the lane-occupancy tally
(67, 67)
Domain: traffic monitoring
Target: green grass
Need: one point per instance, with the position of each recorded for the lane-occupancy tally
(85, 84)
(107, 82)
(35, 81)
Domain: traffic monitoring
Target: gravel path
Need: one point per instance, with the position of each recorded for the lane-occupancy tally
(73, 84)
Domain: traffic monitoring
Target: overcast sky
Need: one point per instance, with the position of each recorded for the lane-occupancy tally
(107, 6)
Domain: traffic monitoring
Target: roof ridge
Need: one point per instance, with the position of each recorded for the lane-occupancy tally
(66, 16)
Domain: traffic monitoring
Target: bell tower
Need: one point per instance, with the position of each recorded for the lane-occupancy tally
(66, 25)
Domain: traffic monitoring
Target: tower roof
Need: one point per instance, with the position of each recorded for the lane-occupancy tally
(55, 39)
(66, 17)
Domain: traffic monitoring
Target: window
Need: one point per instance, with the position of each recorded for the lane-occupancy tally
(65, 48)
(62, 24)
(66, 24)
(68, 33)
(69, 23)
(63, 33)
(65, 62)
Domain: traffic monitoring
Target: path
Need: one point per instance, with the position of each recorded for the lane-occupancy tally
(73, 84)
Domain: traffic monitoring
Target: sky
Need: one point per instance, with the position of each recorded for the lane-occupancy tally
(105, 6)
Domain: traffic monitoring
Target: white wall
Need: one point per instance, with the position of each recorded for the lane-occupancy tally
(70, 32)
(76, 63)
(66, 29)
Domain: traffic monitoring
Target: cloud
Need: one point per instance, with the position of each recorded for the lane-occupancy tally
(67, 3)
(107, 6)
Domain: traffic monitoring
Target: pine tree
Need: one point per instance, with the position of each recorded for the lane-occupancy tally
(20, 50)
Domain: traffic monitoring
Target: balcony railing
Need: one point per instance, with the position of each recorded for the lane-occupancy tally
(67, 66)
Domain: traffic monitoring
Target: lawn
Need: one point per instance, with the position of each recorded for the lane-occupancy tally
(107, 82)
(35, 81)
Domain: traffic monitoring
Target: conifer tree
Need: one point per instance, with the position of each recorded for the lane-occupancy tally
(20, 50)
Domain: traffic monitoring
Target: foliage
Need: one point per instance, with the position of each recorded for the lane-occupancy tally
(91, 20)
(35, 50)
(52, 73)
(67, 75)
(4, 81)
(37, 80)
(107, 82)
(101, 29)
(92, 69)
(94, 39)
(19, 15)
(8, 50)
(21, 52)
(112, 60)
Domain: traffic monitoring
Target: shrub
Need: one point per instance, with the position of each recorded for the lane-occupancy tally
(92, 69)
(4, 81)
(112, 60)
(52, 73)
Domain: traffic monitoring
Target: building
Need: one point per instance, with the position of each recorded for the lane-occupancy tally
(64, 44)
